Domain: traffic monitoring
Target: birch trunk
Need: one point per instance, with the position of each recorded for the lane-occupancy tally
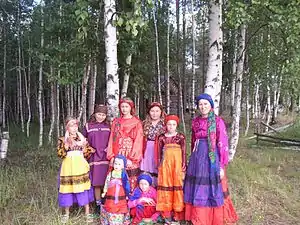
(112, 77)
(68, 99)
(27, 93)
(92, 88)
(82, 111)
(235, 128)
(20, 95)
(168, 100)
(40, 91)
(3, 118)
(157, 52)
(57, 107)
(126, 76)
(247, 106)
(193, 60)
(268, 108)
(233, 80)
(276, 98)
(72, 100)
(186, 90)
(52, 102)
(213, 81)
(181, 112)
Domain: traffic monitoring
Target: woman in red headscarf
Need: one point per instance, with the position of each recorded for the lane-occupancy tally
(126, 138)
(171, 160)
(153, 126)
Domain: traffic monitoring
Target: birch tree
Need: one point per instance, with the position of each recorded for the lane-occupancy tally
(213, 79)
(40, 89)
(235, 127)
(112, 77)
(157, 51)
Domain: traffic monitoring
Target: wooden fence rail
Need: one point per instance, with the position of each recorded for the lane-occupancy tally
(277, 140)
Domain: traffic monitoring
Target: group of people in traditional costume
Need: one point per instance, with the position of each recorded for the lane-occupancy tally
(137, 172)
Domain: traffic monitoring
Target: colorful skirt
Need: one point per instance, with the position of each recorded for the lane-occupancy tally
(170, 180)
(98, 168)
(205, 194)
(107, 218)
(133, 172)
(148, 162)
(74, 181)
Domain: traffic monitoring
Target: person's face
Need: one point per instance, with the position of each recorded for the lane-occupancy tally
(204, 107)
(144, 185)
(155, 113)
(100, 117)
(125, 109)
(118, 164)
(73, 128)
(171, 126)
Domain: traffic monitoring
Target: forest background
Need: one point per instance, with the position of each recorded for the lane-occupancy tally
(60, 57)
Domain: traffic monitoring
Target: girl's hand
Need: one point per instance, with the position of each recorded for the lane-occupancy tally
(111, 162)
(183, 168)
(222, 173)
(129, 162)
(103, 195)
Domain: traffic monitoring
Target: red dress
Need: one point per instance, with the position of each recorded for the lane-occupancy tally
(126, 138)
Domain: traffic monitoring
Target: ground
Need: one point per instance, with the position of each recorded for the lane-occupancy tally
(264, 184)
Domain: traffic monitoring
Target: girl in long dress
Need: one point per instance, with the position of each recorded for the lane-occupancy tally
(153, 126)
(74, 180)
(171, 158)
(97, 132)
(205, 188)
(126, 138)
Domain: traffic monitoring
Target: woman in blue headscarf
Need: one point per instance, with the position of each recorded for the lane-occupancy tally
(205, 188)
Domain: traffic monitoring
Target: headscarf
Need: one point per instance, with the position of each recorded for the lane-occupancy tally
(172, 117)
(211, 130)
(99, 108)
(138, 192)
(124, 176)
(129, 102)
(69, 141)
(206, 97)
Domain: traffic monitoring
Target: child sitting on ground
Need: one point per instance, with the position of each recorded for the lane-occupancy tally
(142, 203)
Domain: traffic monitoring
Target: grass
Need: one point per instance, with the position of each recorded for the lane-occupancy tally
(264, 184)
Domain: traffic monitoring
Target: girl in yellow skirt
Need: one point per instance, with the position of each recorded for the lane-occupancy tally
(171, 159)
(74, 181)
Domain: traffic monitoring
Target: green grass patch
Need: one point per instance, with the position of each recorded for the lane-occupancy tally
(264, 184)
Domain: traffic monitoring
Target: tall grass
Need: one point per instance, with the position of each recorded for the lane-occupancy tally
(264, 184)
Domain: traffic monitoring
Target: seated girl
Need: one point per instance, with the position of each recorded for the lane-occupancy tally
(115, 192)
(142, 203)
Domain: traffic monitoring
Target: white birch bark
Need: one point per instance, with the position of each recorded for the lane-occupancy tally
(268, 107)
(58, 108)
(168, 100)
(193, 59)
(235, 127)
(72, 99)
(3, 118)
(247, 106)
(40, 91)
(277, 97)
(157, 52)
(20, 95)
(82, 111)
(52, 102)
(112, 77)
(126, 76)
(180, 92)
(213, 82)
(68, 99)
(92, 88)
(27, 93)
(233, 80)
